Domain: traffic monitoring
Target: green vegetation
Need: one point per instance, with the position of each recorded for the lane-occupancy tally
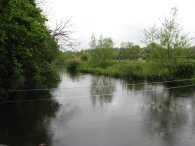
(136, 70)
(73, 66)
(184, 70)
(27, 48)
(166, 43)
(129, 51)
(102, 50)
(167, 55)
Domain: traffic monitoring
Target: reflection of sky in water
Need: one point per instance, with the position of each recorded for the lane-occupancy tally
(121, 114)
(124, 116)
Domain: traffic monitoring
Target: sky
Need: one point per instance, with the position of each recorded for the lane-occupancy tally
(122, 20)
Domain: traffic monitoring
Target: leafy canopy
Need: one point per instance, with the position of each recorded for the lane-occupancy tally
(27, 47)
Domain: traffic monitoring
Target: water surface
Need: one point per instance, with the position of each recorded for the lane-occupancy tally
(87, 110)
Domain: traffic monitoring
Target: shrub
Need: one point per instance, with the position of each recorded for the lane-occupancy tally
(131, 70)
(102, 55)
(183, 70)
(73, 66)
(85, 57)
(154, 71)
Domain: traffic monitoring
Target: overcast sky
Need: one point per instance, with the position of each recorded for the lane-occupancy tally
(123, 20)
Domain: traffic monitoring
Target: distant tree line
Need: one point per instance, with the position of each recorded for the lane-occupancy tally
(164, 44)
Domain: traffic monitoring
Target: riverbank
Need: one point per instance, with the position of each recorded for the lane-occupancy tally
(135, 69)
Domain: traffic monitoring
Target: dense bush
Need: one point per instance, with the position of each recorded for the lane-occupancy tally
(85, 57)
(128, 69)
(73, 66)
(27, 48)
(184, 70)
(102, 55)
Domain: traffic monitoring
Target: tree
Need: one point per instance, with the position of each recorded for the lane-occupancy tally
(171, 35)
(168, 38)
(102, 49)
(62, 30)
(63, 35)
(150, 36)
(126, 44)
(105, 42)
(92, 43)
(27, 47)
(129, 51)
(102, 42)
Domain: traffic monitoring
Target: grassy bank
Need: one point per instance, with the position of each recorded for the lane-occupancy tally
(126, 69)
(135, 69)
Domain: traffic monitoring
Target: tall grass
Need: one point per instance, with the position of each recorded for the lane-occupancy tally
(136, 70)
(125, 69)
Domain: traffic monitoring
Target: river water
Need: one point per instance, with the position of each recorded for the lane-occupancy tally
(87, 110)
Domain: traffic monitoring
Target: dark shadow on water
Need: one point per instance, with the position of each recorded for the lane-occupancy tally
(187, 91)
(25, 123)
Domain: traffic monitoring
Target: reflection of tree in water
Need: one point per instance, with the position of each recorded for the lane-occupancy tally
(67, 111)
(164, 116)
(182, 92)
(193, 116)
(136, 85)
(75, 76)
(133, 85)
(98, 87)
(25, 123)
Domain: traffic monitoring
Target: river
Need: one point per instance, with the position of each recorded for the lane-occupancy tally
(87, 110)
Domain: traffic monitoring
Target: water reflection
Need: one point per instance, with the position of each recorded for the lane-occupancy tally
(153, 117)
(164, 115)
(193, 115)
(102, 89)
(74, 76)
(133, 85)
(182, 92)
(60, 124)
(26, 123)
